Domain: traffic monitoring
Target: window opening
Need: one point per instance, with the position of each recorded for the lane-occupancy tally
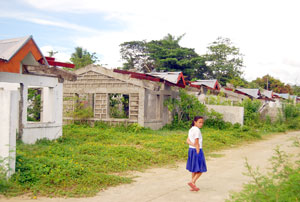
(118, 105)
(34, 107)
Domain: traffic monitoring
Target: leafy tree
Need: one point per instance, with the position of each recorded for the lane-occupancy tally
(82, 58)
(163, 55)
(136, 55)
(186, 107)
(237, 81)
(270, 83)
(170, 56)
(224, 60)
(296, 90)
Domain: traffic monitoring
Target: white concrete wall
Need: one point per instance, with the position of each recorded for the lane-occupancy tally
(232, 114)
(51, 126)
(8, 127)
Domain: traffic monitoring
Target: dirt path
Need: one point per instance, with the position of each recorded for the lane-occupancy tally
(170, 184)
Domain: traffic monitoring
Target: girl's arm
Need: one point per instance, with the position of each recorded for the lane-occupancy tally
(189, 142)
(197, 145)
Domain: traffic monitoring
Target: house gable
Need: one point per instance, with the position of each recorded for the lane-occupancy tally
(12, 63)
(93, 76)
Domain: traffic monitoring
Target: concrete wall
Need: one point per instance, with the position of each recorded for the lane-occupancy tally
(232, 114)
(50, 126)
(145, 105)
(8, 127)
(271, 109)
(51, 122)
(156, 114)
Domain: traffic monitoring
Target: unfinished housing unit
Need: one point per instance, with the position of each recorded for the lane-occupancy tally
(118, 98)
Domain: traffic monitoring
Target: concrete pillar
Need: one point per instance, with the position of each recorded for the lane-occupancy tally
(48, 104)
(8, 126)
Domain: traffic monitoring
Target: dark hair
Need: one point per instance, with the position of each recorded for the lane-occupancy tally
(196, 118)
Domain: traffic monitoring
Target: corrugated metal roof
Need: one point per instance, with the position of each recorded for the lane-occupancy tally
(267, 93)
(252, 92)
(169, 76)
(209, 83)
(286, 96)
(9, 47)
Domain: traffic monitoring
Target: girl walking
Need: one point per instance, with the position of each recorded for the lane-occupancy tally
(196, 161)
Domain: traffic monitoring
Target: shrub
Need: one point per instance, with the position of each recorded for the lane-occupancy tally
(3, 175)
(282, 184)
(290, 111)
(251, 114)
(186, 107)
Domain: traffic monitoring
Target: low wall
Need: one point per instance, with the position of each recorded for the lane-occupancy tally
(232, 114)
(35, 131)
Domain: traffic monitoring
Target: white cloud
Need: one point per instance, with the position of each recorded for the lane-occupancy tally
(265, 31)
(62, 54)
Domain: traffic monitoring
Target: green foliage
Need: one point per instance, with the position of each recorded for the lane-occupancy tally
(87, 159)
(81, 58)
(4, 184)
(136, 55)
(270, 83)
(118, 105)
(296, 90)
(251, 114)
(217, 100)
(282, 184)
(34, 107)
(290, 111)
(185, 108)
(163, 55)
(224, 61)
(215, 120)
(81, 112)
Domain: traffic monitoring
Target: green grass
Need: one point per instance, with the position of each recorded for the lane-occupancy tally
(87, 159)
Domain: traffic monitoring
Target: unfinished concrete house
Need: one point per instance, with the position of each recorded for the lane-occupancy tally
(118, 96)
(23, 71)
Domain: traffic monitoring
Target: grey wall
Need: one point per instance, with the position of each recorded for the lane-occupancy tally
(232, 114)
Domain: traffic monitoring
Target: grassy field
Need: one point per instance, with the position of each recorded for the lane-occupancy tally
(87, 159)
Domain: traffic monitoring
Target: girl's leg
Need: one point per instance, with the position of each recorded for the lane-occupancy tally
(196, 177)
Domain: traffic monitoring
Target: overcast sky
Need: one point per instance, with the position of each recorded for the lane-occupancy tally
(267, 32)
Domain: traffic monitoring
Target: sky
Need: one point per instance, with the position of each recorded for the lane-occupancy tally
(267, 32)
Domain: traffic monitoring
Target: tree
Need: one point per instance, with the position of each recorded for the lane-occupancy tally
(81, 58)
(296, 90)
(52, 53)
(270, 83)
(136, 55)
(163, 55)
(224, 60)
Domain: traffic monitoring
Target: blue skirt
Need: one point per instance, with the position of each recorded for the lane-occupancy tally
(196, 162)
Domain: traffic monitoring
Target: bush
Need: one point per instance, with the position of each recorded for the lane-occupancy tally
(251, 114)
(282, 184)
(290, 111)
(185, 108)
(3, 175)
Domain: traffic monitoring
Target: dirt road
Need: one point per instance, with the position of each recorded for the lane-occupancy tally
(170, 183)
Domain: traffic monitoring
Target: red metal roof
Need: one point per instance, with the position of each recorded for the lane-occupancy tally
(51, 61)
(180, 82)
